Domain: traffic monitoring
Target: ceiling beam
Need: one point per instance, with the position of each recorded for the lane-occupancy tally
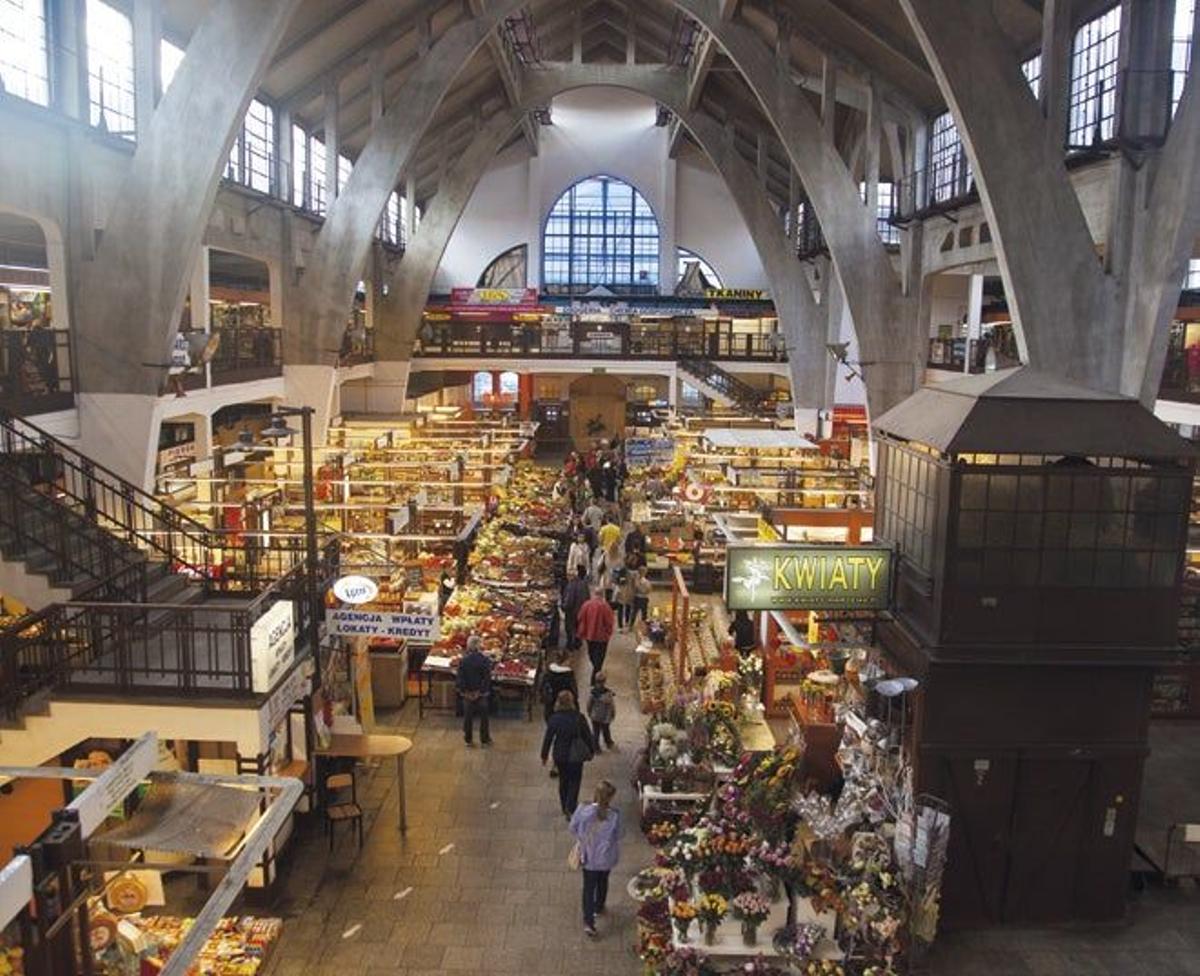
(418, 12)
(301, 42)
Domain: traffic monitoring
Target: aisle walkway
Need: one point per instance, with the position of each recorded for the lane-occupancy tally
(480, 882)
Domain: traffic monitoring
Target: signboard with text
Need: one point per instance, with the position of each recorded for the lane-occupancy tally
(494, 296)
(736, 294)
(421, 628)
(272, 645)
(644, 452)
(807, 577)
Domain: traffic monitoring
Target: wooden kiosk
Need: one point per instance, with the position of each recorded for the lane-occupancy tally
(1041, 530)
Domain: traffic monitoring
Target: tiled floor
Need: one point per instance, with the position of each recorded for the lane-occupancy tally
(479, 883)
(484, 857)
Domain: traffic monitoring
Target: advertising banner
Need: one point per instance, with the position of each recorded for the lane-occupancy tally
(645, 452)
(272, 645)
(808, 577)
(422, 628)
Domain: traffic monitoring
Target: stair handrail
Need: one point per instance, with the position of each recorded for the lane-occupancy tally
(114, 558)
(739, 390)
(197, 541)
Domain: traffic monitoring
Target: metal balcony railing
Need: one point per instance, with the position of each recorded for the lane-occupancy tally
(35, 371)
(247, 353)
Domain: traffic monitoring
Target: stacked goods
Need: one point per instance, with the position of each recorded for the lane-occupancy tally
(512, 627)
(507, 559)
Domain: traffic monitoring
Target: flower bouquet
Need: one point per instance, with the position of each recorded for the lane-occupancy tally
(797, 943)
(752, 909)
(822, 967)
(684, 961)
(711, 909)
(683, 913)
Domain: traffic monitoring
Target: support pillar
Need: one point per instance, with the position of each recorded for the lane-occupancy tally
(974, 317)
(1057, 34)
(332, 143)
(668, 261)
(66, 30)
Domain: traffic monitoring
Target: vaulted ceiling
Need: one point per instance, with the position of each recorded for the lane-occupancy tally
(332, 48)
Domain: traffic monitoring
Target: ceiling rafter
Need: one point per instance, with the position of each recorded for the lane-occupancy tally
(315, 33)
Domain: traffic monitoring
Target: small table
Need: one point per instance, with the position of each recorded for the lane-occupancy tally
(367, 746)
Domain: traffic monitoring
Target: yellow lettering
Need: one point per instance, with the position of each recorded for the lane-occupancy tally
(874, 565)
(781, 580)
(838, 576)
(855, 563)
(805, 573)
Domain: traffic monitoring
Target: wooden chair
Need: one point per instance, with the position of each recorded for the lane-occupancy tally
(341, 804)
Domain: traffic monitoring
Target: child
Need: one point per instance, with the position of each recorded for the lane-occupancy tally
(602, 709)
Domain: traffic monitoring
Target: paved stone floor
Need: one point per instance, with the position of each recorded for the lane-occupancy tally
(479, 883)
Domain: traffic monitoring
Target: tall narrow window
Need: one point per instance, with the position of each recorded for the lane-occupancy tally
(601, 233)
(110, 69)
(344, 168)
(1093, 101)
(316, 175)
(1032, 70)
(23, 66)
(170, 57)
(299, 166)
(884, 211)
(252, 158)
(1181, 48)
(391, 224)
(950, 173)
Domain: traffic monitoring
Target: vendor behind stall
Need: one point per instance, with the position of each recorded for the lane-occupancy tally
(742, 629)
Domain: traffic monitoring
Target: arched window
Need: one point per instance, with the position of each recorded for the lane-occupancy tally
(507, 270)
(509, 385)
(601, 233)
(708, 277)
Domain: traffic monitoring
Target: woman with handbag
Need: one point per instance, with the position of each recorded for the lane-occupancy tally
(568, 734)
(597, 830)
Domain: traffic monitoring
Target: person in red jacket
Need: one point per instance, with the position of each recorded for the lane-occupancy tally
(595, 625)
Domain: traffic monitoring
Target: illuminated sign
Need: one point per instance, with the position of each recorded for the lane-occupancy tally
(494, 296)
(800, 577)
(737, 294)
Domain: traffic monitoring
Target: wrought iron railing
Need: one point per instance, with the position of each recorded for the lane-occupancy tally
(36, 527)
(112, 646)
(742, 393)
(220, 560)
(35, 371)
(247, 353)
(671, 339)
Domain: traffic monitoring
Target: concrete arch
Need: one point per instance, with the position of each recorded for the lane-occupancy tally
(344, 241)
(891, 344)
(803, 323)
(1101, 324)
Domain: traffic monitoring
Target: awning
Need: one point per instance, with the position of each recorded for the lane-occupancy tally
(764, 439)
(188, 818)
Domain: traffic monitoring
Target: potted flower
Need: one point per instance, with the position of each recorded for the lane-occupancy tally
(753, 909)
(711, 909)
(683, 913)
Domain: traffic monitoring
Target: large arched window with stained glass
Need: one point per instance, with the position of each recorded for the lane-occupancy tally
(600, 234)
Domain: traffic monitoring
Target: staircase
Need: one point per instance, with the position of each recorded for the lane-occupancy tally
(723, 387)
(158, 604)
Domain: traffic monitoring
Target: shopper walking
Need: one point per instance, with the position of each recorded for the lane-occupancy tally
(475, 687)
(641, 597)
(575, 595)
(602, 709)
(623, 597)
(559, 676)
(596, 622)
(569, 740)
(578, 556)
(596, 827)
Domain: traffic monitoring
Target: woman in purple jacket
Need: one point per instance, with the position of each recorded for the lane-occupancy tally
(597, 828)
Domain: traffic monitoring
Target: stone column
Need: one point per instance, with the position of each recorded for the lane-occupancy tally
(147, 74)
(668, 262)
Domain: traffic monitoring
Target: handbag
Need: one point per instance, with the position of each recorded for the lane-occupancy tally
(579, 751)
(575, 854)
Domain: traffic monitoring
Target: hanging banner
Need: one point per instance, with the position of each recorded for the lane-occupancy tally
(799, 577)
(418, 627)
(494, 296)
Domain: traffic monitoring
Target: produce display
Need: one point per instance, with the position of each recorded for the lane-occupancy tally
(239, 946)
(12, 960)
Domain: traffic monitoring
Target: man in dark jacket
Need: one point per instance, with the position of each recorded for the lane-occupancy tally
(475, 687)
(575, 595)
